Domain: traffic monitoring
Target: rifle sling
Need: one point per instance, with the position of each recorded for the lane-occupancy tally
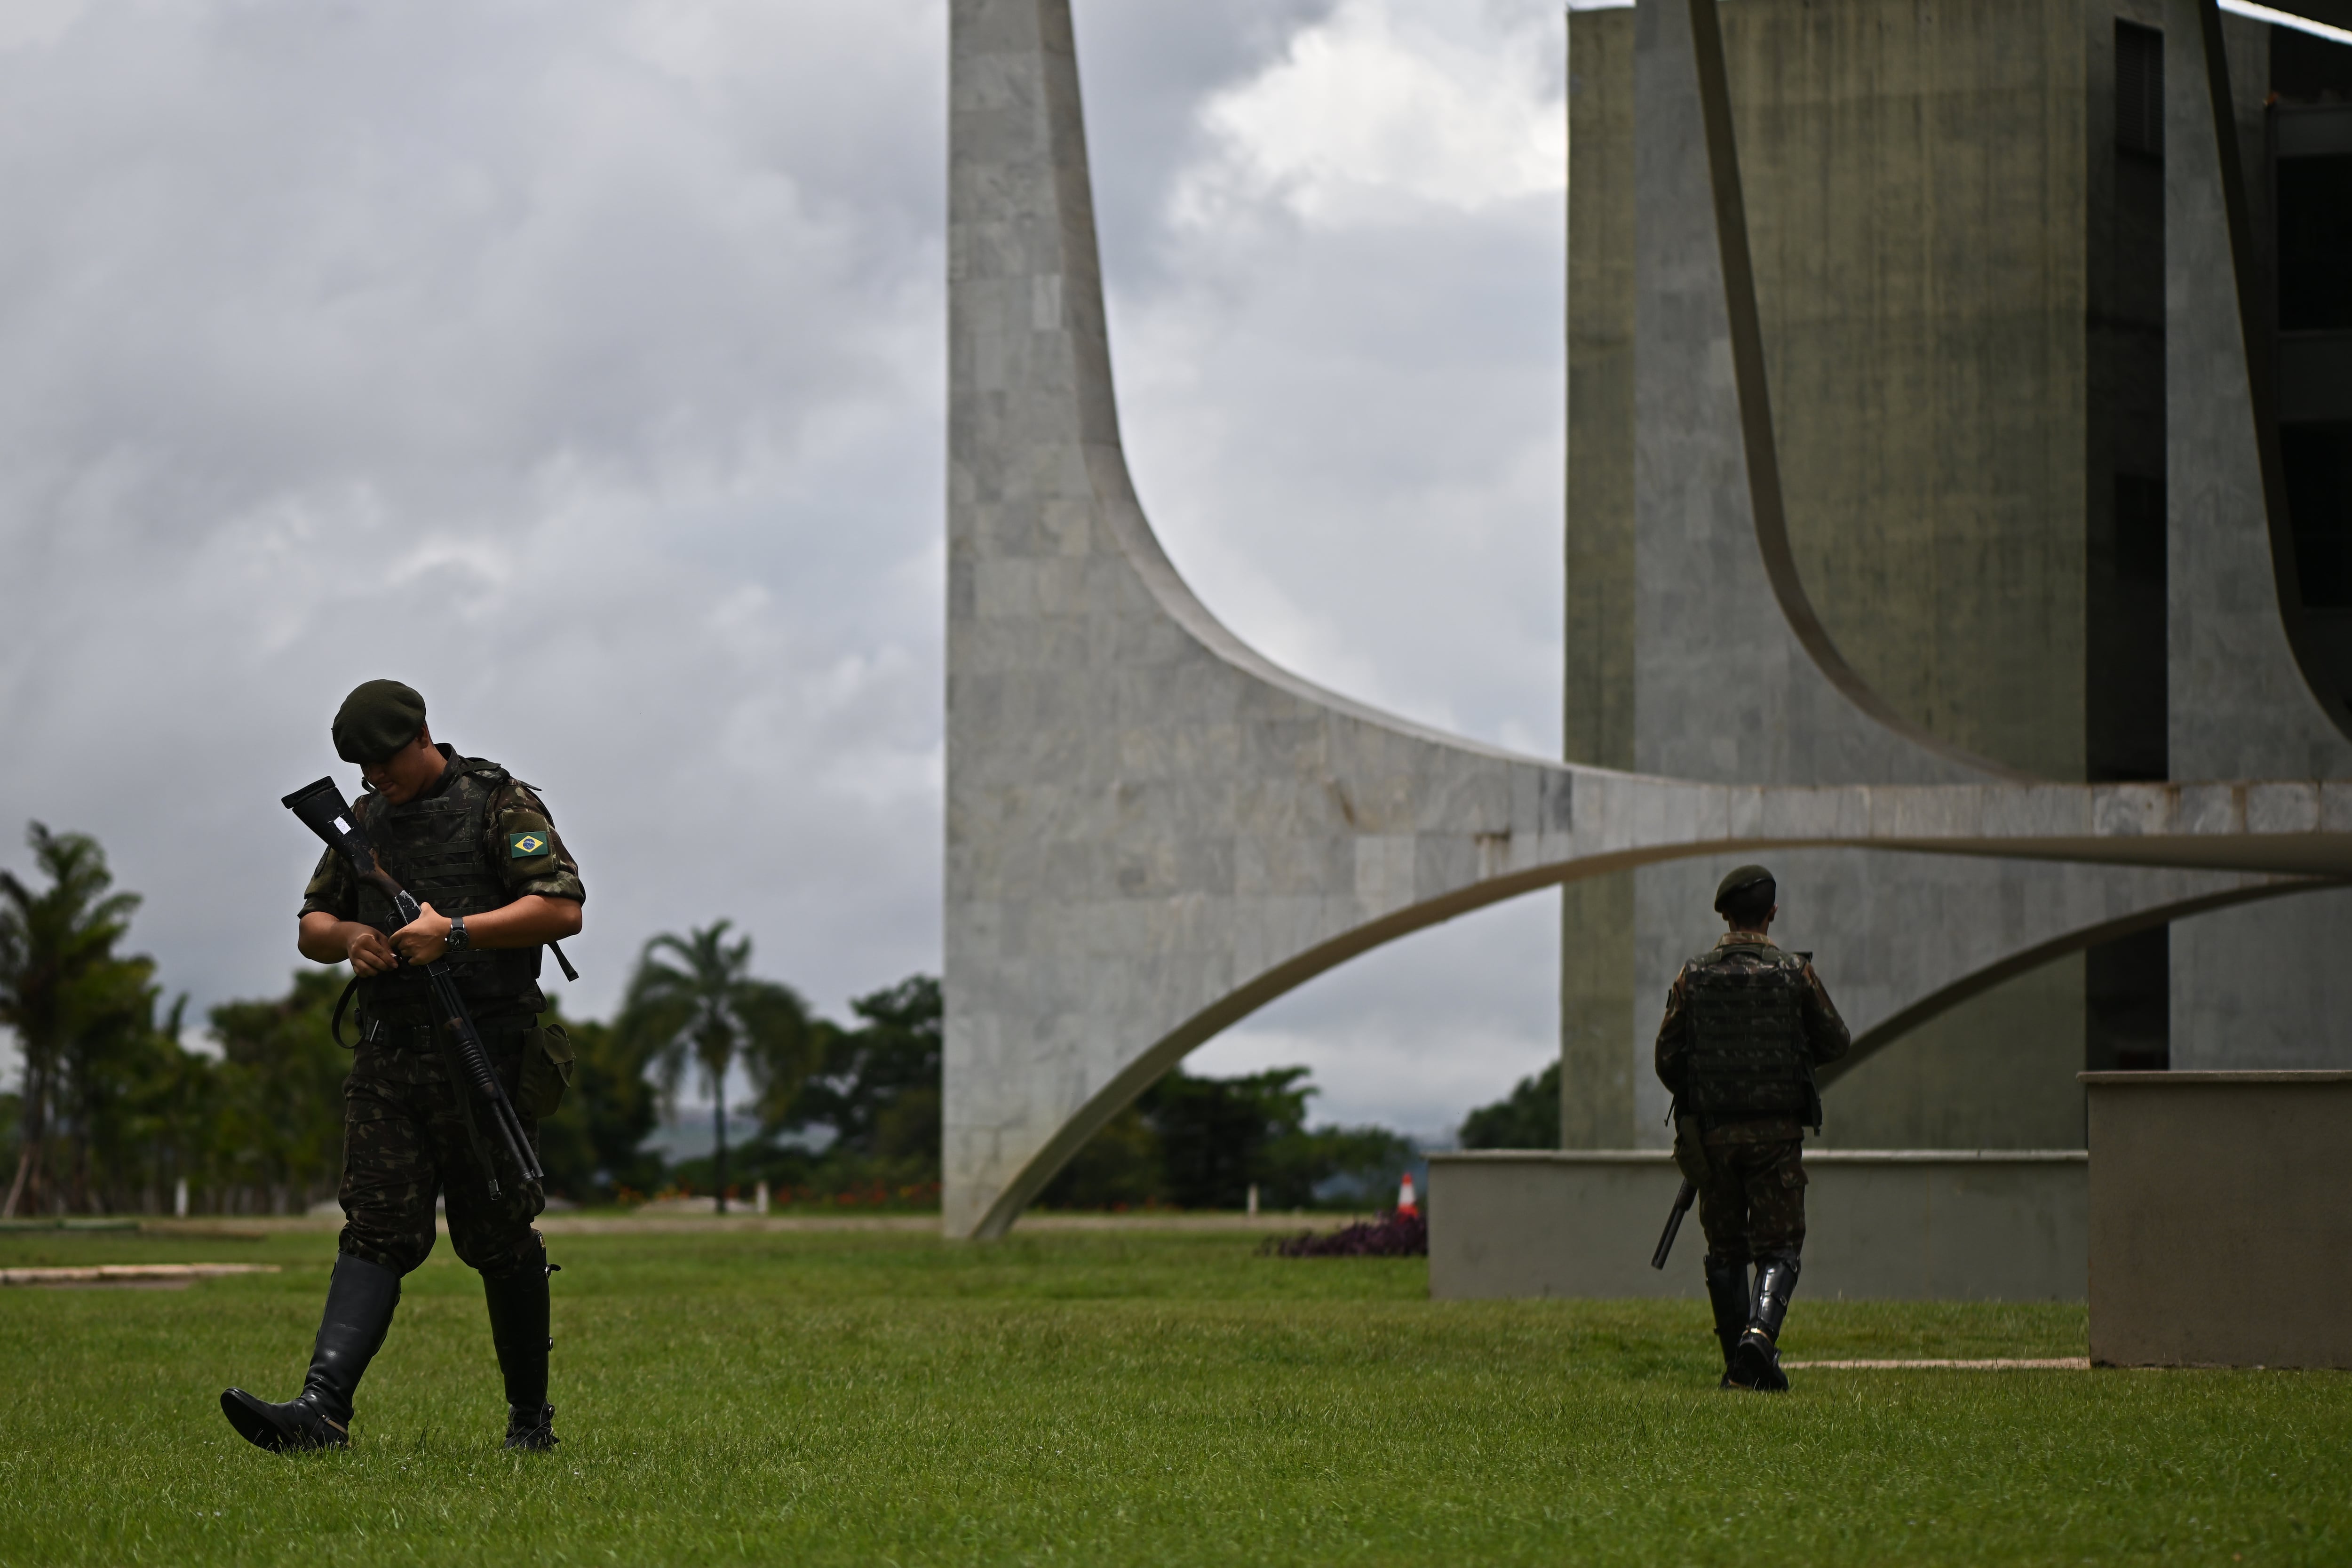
(335, 1024)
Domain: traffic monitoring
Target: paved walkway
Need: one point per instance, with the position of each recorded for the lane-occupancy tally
(676, 1224)
(2059, 1364)
(248, 1226)
(152, 1275)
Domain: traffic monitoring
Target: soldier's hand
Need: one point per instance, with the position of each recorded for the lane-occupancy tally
(424, 939)
(369, 952)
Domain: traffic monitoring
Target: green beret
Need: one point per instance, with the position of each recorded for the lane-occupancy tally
(1740, 877)
(376, 720)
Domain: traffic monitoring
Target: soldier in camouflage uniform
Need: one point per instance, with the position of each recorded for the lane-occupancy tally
(1746, 1025)
(478, 849)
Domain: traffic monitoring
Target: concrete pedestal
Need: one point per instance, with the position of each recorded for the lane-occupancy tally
(2221, 1230)
(1882, 1224)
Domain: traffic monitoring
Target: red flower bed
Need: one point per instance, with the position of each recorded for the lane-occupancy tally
(1392, 1235)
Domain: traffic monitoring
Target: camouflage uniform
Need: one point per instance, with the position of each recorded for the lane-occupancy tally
(1749, 1172)
(404, 1141)
(472, 841)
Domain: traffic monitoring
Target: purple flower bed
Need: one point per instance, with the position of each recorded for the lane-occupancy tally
(1392, 1235)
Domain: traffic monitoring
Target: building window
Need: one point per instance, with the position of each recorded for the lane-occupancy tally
(2139, 528)
(2315, 240)
(2319, 506)
(2140, 90)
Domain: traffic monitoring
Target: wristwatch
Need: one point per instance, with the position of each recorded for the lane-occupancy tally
(455, 940)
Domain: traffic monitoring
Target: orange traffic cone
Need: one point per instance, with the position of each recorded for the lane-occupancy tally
(1406, 1205)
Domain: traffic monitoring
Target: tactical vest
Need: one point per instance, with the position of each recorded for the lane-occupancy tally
(1748, 1055)
(433, 848)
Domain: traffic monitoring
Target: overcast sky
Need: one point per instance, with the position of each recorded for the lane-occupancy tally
(582, 363)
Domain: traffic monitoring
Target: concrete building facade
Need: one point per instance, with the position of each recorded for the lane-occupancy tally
(1152, 830)
(2002, 345)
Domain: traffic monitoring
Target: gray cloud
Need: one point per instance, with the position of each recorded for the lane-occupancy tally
(577, 363)
(582, 363)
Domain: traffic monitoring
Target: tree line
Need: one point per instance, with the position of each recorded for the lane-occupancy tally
(113, 1113)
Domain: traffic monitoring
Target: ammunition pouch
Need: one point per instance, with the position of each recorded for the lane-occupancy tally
(1690, 1151)
(546, 1072)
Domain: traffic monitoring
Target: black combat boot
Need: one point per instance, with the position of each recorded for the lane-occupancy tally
(1756, 1359)
(532, 1431)
(1727, 1291)
(517, 1304)
(360, 1299)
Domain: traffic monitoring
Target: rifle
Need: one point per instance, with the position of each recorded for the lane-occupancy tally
(1673, 1223)
(322, 810)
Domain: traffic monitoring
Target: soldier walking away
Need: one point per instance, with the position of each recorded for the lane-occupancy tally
(476, 848)
(1746, 1025)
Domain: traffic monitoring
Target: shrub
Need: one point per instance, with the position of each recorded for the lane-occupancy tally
(1392, 1235)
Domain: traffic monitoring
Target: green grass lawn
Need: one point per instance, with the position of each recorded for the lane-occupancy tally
(1113, 1397)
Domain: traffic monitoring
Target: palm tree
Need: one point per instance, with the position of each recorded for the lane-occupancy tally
(694, 997)
(59, 978)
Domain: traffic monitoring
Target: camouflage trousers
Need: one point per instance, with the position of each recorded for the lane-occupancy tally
(404, 1144)
(1751, 1188)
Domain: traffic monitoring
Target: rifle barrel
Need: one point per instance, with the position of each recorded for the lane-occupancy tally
(1674, 1225)
(475, 1063)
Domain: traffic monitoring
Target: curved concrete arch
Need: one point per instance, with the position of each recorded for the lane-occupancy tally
(1688, 82)
(1148, 1065)
(1877, 1036)
(1738, 675)
(2246, 631)
(1151, 829)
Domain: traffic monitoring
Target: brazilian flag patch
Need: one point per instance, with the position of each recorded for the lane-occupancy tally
(523, 846)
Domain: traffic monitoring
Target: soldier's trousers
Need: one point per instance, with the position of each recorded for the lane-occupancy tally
(1751, 1194)
(404, 1144)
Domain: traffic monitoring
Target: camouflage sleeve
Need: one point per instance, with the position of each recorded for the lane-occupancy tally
(528, 853)
(333, 890)
(1825, 1032)
(1673, 1040)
